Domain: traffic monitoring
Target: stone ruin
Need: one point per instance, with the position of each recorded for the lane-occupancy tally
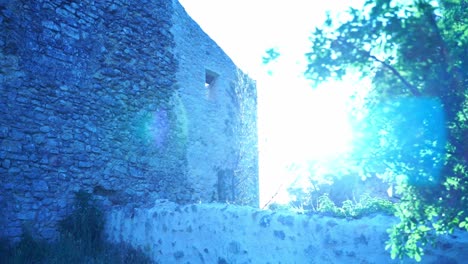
(132, 102)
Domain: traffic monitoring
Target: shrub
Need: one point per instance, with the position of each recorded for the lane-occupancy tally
(366, 205)
(28, 250)
(85, 225)
(80, 241)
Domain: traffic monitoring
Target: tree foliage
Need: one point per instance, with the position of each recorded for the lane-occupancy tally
(414, 129)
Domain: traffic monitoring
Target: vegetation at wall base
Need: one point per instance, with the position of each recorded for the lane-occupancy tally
(80, 241)
(365, 205)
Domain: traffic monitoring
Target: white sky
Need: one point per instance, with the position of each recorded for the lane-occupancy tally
(296, 124)
(246, 28)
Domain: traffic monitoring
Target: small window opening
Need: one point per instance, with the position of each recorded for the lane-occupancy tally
(210, 78)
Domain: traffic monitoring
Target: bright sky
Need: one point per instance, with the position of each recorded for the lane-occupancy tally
(246, 28)
(296, 123)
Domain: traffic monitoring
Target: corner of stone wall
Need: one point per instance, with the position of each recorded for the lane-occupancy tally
(222, 158)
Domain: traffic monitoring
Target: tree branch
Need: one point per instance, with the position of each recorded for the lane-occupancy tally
(408, 85)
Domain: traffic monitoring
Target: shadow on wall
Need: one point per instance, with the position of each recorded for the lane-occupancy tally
(226, 186)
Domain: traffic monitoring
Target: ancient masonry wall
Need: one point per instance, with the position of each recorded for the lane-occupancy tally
(109, 97)
(220, 125)
(223, 233)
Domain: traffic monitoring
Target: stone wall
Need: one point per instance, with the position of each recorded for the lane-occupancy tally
(216, 126)
(107, 96)
(221, 233)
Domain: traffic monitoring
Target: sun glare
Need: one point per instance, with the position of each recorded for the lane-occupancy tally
(296, 123)
(299, 125)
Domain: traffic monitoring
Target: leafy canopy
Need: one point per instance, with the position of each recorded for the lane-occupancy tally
(413, 127)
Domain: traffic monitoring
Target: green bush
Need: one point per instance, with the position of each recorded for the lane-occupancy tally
(80, 241)
(323, 204)
(366, 205)
(85, 225)
(28, 250)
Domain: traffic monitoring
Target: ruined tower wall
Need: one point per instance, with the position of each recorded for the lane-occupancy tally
(207, 81)
(94, 96)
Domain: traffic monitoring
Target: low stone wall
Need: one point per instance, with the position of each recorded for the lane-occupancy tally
(220, 233)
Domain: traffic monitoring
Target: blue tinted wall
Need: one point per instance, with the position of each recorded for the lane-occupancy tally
(91, 98)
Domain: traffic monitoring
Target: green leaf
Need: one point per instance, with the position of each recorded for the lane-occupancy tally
(462, 224)
(417, 257)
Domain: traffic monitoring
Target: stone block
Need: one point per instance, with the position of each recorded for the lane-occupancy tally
(85, 164)
(39, 138)
(6, 163)
(14, 170)
(17, 135)
(50, 25)
(11, 146)
(135, 172)
(26, 215)
(45, 129)
(30, 147)
(40, 186)
(20, 157)
(9, 186)
(67, 136)
(3, 131)
(13, 232)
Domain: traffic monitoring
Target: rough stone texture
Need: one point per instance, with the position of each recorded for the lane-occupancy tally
(217, 122)
(222, 233)
(109, 96)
